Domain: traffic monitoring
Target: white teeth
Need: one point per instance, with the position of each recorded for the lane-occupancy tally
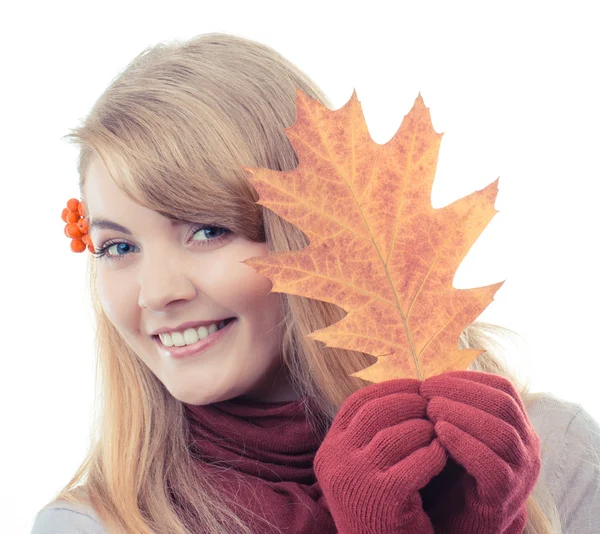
(190, 336)
(202, 332)
(166, 339)
(178, 339)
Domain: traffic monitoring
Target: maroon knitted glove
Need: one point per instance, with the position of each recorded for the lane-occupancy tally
(380, 450)
(481, 422)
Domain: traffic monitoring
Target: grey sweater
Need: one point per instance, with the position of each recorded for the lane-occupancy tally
(570, 440)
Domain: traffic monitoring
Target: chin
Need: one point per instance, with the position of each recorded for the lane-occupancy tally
(196, 399)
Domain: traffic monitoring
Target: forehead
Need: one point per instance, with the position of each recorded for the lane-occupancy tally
(109, 207)
(103, 197)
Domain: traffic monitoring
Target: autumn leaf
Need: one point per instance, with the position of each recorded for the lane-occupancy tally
(378, 248)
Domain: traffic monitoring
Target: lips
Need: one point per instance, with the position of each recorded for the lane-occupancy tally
(185, 326)
(191, 335)
(199, 346)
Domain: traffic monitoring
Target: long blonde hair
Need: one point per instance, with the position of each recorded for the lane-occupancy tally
(173, 129)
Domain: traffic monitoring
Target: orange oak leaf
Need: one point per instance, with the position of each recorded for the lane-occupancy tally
(378, 248)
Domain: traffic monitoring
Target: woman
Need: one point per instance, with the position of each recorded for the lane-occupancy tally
(218, 414)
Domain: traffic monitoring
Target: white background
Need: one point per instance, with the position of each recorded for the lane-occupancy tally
(514, 88)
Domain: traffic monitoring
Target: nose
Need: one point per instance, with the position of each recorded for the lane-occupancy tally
(163, 282)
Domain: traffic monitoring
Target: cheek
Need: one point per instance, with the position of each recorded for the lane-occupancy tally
(243, 290)
(236, 285)
(117, 299)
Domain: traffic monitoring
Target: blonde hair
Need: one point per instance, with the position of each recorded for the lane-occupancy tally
(173, 129)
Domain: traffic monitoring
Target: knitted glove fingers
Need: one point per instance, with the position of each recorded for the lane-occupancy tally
(394, 492)
(397, 443)
(483, 394)
(415, 471)
(494, 479)
(481, 422)
(489, 379)
(498, 435)
(383, 413)
(375, 391)
(365, 498)
(380, 450)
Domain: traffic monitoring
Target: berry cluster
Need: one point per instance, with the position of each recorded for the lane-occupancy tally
(77, 226)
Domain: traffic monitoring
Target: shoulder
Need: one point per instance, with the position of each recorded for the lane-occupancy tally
(63, 517)
(565, 427)
(570, 443)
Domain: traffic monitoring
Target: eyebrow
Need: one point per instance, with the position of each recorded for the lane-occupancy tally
(108, 225)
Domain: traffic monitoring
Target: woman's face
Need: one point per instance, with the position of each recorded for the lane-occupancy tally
(202, 321)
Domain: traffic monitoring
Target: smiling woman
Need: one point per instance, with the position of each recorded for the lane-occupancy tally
(219, 414)
(155, 275)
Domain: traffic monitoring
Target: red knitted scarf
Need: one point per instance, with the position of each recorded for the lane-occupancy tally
(263, 455)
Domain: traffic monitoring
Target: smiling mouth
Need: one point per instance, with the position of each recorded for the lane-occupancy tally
(191, 336)
(200, 346)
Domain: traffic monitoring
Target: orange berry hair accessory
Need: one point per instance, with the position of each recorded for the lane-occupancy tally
(77, 226)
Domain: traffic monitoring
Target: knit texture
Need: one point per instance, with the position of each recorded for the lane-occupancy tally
(262, 455)
(570, 448)
(452, 454)
(494, 450)
(380, 450)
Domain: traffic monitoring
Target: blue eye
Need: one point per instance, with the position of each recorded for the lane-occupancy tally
(119, 249)
(114, 250)
(202, 236)
(209, 232)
